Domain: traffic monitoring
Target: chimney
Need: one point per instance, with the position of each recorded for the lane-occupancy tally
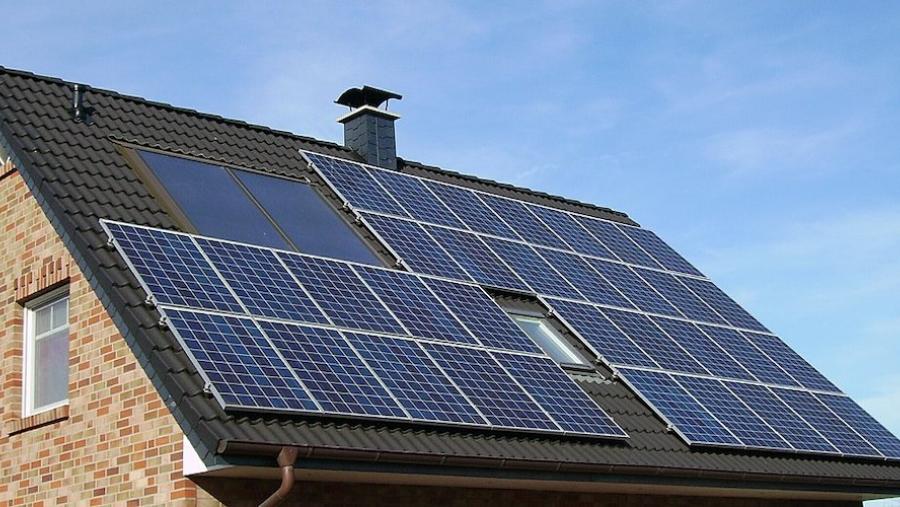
(369, 128)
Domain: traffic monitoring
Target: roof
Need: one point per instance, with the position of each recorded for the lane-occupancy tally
(79, 176)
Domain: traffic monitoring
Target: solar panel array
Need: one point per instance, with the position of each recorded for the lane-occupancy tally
(271, 330)
(708, 367)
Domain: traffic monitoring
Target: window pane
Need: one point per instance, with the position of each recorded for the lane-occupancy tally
(306, 218)
(212, 200)
(548, 339)
(60, 313)
(51, 369)
(42, 320)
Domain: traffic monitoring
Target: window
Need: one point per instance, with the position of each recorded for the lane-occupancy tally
(46, 368)
(254, 208)
(549, 339)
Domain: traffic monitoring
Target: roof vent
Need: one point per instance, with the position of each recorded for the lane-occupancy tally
(80, 112)
(369, 128)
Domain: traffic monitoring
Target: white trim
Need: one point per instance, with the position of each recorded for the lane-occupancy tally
(29, 339)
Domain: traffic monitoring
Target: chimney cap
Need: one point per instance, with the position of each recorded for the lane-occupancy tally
(366, 96)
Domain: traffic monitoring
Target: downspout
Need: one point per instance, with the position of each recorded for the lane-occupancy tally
(286, 459)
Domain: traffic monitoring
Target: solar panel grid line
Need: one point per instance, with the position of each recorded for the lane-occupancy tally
(388, 205)
(387, 307)
(780, 366)
(494, 270)
(748, 355)
(708, 342)
(592, 285)
(617, 242)
(793, 363)
(528, 225)
(473, 212)
(866, 438)
(383, 175)
(641, 294)
(725, 306)
(856, 417)
(532, 269)
(687, 303)
(573, 234)
(454, 314)
(664, 254)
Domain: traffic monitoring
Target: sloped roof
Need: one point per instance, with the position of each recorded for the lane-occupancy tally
(78, 175)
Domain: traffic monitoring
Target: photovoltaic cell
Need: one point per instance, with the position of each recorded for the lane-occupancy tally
(416, 199)
(750, 357)
(414, 379)
(724, 305)
(680, 296)
(532, 268)
(481, 315)
(704, 350)
(239, 362)
(791, 362)
(617, 242)
(600, 334)
(341, 294)
(476, 258)
(576, 236)
(172, 268)
(863, 423)
(677, 406)
(489, 387)
(654, 342)
(331, 371)
(634, 288)
(583, 277)
(658, 248)
(559, 395)
(261, 282)
(356, 184)
(415, 247)
(780, 417)
(471, 210)
(528, 226)
(829, 425)
(420, 311)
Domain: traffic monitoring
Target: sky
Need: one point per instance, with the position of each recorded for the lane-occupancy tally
(758, 138)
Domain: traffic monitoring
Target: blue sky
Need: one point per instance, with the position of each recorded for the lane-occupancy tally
(759, 138)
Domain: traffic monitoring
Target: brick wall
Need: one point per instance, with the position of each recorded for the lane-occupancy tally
(115, 443)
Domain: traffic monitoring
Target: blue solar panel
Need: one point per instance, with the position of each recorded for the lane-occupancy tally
(654, 342)
(825, 422)
(559, 395)
(327, 365)
(704, 350)
(750, 357)
(172, 268)
(600, 334)
(780, 417)
(412, 244)
(732, 413)
(575, 236)
(414, 379)
(420, 311)
(863, 423)
(629, 283)
(791, 362)
(416, 199)
(658, 248)
(476, 258)
(261, 282)
(690, 305)
(724, 305)
(356, 184)
(531, 268)
(469, 208)
(676, 405)
(528, 226)
(489, 387)
(589, 283)
(617, 242)
(478, 312)
(239, 362)
(341, 294)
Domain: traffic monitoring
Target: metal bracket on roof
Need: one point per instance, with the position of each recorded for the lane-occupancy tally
(615, 375)
(163, 322)
(400, 262)
(207, 388)
(346, 206)
(150, 300)
(670, 428)
(110, 243)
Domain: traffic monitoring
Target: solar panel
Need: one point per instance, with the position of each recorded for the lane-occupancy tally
(420, 311)
(617, 242)
(531, 268)
(171, 268)
(241, 366)
(669, 399)
(588, 282)
(750, 357)
(487, 385)
(658, 248)
(341, 294)
(558, 394)
(355, 184)
(724, 305)
(476, 258)
(791, 362)
(469, 208)
(680, 296)
(481, 315)
(414, 246)
(414, 379)
(327, 365)
(825, 422)
(862, 423)
(654, 342)
(606, 340)
(416, 199)
(634, 288)
(704, 350)
(261, 282)
(575, 236)
(528, 226)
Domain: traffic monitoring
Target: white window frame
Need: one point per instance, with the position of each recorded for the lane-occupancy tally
(28, 369)
(577, 359)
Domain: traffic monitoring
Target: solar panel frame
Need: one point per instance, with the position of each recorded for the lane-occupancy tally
(416, 198)
(363, 192)
(477, 216)
(863, 423)
(530, 267)
(722, 303)
(749, 356)
(575, 236)
(473, 255)
(634, 288)
(654, 342)
(714, 358)
(791, 362)
(617, 242)
(587, 281)
(526, 224)
(679, 296)
(659, 250)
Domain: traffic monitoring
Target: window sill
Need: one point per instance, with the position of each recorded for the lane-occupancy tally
(39, 420)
